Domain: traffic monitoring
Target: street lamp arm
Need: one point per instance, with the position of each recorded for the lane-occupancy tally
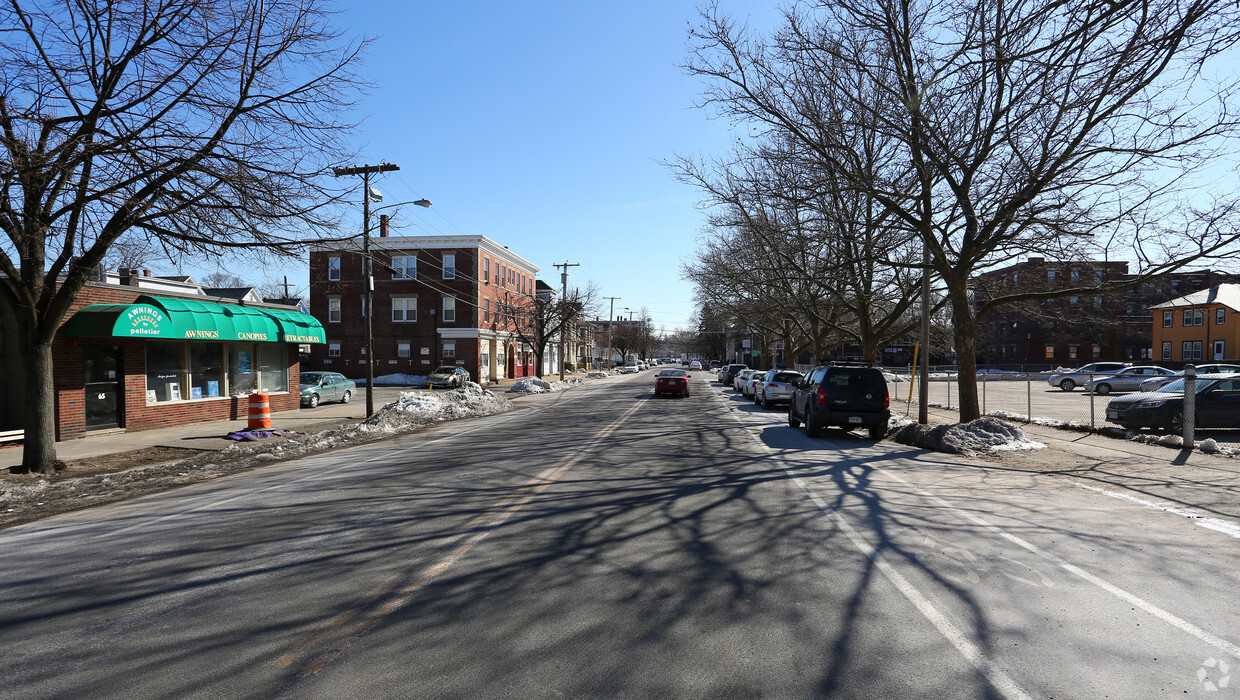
(418, 202)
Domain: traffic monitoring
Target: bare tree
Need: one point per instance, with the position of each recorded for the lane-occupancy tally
(205, 125)
(544, 318)
(1062, 130)
(223, 280)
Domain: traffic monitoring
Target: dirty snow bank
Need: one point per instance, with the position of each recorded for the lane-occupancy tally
(534, 385)
(986, 434)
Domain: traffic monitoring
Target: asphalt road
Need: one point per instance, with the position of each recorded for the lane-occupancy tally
(603, 543)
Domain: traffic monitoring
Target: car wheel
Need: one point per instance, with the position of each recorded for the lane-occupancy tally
(793, 421)
(1102, 389)
(348, 396)
(878, 432)
(811, 429)
(1175, 424)
(766, 402)
(314, 400)
(1067, 385)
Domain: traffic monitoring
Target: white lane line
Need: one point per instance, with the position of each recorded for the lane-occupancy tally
(1205, 521)
(1167, 617)
(972, 653)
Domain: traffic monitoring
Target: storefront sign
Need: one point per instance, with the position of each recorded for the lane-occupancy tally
(144, 319)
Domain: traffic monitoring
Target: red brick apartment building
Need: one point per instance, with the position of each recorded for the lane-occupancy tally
(138, 352)
(1075, 330)
(438, 300)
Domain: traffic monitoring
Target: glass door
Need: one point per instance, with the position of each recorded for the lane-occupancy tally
(102, 365)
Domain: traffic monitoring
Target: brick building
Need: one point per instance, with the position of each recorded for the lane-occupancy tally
(1075, 330)
(138, 352)
(453, 300)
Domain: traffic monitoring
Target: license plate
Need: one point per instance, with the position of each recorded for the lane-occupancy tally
(1112, 415)
(854, 419)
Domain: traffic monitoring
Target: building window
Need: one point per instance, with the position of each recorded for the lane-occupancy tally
(1166, 350)
(1098, 302)
(486, 310)
(1219, 348)
(1050, 276)
(1074, 299)
(177, 371)
(1072, 352)
(1050, 352)
(1194, 317)
(404, 309)
(503, 275)
(449, 349)
(1168, 317)
(449, 309)
(486, 270)
(363, 306)
(333, 309)
(333, 268)
(449, 266)
(402, 348)
(1220, 317)
(1097, 352)
(333, 349)
(1191, 350)
(404, 267)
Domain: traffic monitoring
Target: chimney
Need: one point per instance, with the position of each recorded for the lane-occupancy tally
(383, 225)
(146, 272)
(129, 276)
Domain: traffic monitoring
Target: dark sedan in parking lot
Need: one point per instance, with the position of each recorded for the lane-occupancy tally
(1216, 405)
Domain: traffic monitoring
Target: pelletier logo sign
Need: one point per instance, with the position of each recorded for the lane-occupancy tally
(144, 320)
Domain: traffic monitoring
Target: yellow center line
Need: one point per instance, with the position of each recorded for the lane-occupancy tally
(481, 526)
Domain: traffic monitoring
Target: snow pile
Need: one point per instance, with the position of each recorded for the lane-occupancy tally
(598, 375)
(986, 434)
(397, 379)
(533, 385)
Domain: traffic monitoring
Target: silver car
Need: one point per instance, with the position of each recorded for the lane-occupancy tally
(776, 387)
(1077, 377)
(1127, 379)
(1153, 383)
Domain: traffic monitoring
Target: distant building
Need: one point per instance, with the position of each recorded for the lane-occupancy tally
(1075, 330)
(454, 300)
(1201, 326)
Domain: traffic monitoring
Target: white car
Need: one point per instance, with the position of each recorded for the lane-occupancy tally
(695, 365)
(630, 368)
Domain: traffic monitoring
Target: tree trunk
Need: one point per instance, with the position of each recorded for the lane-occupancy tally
(39, 447)
(965, 334)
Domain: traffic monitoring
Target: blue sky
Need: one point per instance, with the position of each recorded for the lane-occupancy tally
(541, 125)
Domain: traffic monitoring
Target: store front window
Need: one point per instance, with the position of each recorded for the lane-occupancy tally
(178, 371)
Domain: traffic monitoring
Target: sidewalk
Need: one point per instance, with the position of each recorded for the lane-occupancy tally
(210, 435)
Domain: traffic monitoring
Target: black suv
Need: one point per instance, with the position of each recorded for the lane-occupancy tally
(727, 374)
(849, 395)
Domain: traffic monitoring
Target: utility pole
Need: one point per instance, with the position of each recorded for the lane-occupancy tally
(365, 171)
(611, 315)
(563, 308)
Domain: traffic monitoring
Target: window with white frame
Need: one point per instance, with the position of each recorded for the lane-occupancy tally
(449, 348)
(333, 268)
(449, 266)
(404, 267)
(1191, 350)
(1194, 317)
(403, 348)
(333, 309)
(333, 349)
(1166, 350)
(404, 309)
(1220, 317)
(486, 310)
(486, 270)
(1168, 318)
(449, 310)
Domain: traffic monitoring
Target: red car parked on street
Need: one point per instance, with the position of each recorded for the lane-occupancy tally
(672, 381)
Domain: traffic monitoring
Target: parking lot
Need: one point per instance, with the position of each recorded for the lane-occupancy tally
(1026, 395)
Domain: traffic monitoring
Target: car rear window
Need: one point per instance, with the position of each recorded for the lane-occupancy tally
(859, 380)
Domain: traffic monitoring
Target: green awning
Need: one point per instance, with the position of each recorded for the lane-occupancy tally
(189, 319)
(297, 327)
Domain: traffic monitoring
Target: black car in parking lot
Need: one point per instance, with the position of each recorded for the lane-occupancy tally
(1217, 405)
(848, 395)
